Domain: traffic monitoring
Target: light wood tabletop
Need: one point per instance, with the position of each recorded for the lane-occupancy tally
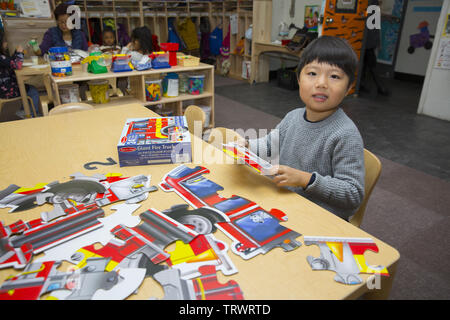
(52, 148)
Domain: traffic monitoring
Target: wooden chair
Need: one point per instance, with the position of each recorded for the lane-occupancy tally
(70, 107)
(221, 135)
(10, 113)
(194, 113)
(373, 170)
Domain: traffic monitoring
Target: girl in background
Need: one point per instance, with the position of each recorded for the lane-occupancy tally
(109, 41)
(141, 43)
(8, 81)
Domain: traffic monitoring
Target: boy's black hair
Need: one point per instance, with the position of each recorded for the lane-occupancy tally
(332, 50)
(109, 29)
(144, 36)
(60, 10)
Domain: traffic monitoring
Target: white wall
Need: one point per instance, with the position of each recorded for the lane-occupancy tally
(435, 97)
(416, 63)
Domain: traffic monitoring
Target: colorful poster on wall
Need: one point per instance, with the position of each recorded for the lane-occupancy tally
(443, 54)
(446, 31)
(312, 17)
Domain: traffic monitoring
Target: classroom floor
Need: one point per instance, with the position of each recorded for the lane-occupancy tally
(409, 207)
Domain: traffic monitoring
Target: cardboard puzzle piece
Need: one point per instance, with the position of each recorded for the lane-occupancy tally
(205, 287)
(132, 247)
(20, 240)
(91, 282)
(123, 214)
(345, 256)
(99, 189)
(253, 230)
(202, 250)
(244, 155)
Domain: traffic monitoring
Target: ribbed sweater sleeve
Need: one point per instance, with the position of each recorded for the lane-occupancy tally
(332, 149)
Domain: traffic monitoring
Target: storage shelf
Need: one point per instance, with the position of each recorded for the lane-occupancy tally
(181, 97)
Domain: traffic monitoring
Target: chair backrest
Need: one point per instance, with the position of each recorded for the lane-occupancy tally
(194, 113)
(373, 170)
(221, 135)
(70, 107)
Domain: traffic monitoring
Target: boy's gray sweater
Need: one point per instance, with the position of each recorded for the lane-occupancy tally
(332, 149)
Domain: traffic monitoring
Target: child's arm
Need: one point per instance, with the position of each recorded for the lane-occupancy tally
(345, 188)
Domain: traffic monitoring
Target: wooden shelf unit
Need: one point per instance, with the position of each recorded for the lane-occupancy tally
(155, 15)
(137, 87)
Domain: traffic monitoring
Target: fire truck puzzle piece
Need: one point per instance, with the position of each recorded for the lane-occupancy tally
(244, 155)
(139, 246)
(204, 287)
(21, 240)
(123, 214)
(202, 250)
(99, 189)
(345, 256)
(90, 282)
(252, 229)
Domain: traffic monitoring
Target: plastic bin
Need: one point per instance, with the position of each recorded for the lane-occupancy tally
(60, 61)
(69, 93)
(170, 85)
(99, 90)
(196, 84)
(153, 89)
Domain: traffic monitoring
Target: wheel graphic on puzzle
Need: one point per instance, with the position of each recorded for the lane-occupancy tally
(319, 264)
(200, 224)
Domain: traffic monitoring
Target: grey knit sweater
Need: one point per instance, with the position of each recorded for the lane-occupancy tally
(332, 149)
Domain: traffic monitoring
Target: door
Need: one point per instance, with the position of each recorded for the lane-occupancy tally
(345, 19)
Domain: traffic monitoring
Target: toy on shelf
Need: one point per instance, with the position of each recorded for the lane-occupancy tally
(144, 63)
(244, 155)
(196, 84)
(188, 61)
(253, 230)
(172, 48)
(153, 89)
(160, 60)
(121, 63)
(345, 256)
(60, 63)
(97, 62)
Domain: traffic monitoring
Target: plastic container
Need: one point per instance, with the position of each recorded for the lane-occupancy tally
(207, 111)
(170, 85)
(60, 61)
(196, 84)
(69, 93)
(99, 90)
(153, 90)
(184, 83)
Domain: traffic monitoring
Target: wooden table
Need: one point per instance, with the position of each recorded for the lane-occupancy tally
(51, 148)
(33, 71)
(260, 63)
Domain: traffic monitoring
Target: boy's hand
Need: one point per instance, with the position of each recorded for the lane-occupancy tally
(290, 177)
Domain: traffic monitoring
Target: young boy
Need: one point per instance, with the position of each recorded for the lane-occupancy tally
(321, 152)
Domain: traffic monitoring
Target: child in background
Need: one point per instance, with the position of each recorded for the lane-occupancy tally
(8, 81)
(109, 41)
(321, 151)
(141, 43)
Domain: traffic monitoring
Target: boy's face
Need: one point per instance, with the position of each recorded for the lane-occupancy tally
(322, 87)
(108, 39)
